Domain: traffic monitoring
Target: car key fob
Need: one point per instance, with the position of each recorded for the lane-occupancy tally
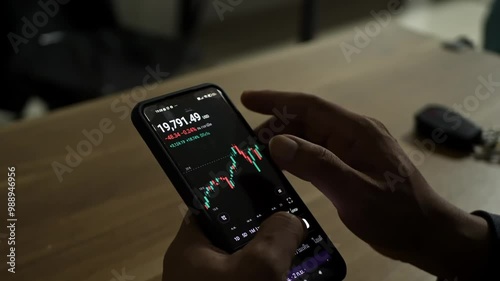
(444, 126)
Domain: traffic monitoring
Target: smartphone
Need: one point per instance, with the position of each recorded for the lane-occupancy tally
(225, 175)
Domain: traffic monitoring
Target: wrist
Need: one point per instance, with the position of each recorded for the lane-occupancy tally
(456, 245)
(471, 241)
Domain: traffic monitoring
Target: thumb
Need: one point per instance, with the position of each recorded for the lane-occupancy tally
(312, 163)
(269, 255)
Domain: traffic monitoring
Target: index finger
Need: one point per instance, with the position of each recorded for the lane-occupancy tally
(314, 119)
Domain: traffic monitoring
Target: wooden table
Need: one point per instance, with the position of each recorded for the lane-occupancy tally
(118, 210)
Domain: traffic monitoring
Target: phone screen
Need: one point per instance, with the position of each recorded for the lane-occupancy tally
(231, 175)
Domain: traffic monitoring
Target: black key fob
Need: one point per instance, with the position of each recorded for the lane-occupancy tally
(445, 127)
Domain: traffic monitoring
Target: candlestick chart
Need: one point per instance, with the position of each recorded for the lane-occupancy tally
(250, 155)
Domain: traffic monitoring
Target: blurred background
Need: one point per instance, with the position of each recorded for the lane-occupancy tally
(63, 52)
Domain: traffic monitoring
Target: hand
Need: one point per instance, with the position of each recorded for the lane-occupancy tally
(379, 194)
(268, 257)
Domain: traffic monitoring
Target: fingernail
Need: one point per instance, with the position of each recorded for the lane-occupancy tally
(283, 148)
